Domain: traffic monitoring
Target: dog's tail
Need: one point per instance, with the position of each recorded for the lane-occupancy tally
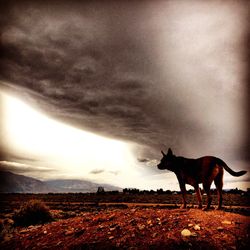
(229, 170)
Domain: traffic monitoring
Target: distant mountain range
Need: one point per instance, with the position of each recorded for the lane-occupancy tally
(15, 183)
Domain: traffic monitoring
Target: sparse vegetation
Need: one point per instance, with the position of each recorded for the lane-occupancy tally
(32, 212)
(100, 190)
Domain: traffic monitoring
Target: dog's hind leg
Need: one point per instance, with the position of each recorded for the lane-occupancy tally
(206, 187)
(215, 171)
(218, 181)
(183, 191)
(198, 193)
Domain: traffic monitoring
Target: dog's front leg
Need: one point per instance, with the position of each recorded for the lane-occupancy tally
(183, 191)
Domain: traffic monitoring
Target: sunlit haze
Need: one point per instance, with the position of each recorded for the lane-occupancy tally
(73, 152)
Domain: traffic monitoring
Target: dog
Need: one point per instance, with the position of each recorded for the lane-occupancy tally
(203, 170)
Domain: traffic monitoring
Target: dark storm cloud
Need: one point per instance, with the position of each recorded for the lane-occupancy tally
(100, 171)
(8, 156)
(143, 160)
(21, 168)
(97, 171)
(96, 74)
(95, 65)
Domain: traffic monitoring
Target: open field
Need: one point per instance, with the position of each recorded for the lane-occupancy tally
(86, 202)
(127, 221)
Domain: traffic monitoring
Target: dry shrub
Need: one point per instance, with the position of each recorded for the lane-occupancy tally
(31, 213)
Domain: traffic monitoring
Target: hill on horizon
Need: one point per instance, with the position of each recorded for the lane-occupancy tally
(16, 183)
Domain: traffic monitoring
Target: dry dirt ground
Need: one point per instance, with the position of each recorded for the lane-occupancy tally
(137, 228)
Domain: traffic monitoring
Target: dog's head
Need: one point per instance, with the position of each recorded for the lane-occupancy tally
(167, 161)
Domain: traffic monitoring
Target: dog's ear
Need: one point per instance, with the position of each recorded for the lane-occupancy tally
(163, 153)
(170, 151)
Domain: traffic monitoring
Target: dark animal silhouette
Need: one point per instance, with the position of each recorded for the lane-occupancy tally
(203, 170)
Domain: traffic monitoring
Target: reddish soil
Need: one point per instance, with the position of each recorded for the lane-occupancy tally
(137, 228)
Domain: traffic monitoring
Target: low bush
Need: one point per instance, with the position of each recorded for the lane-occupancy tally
(31, 213)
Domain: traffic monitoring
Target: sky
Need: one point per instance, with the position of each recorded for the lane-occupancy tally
(96, 89)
